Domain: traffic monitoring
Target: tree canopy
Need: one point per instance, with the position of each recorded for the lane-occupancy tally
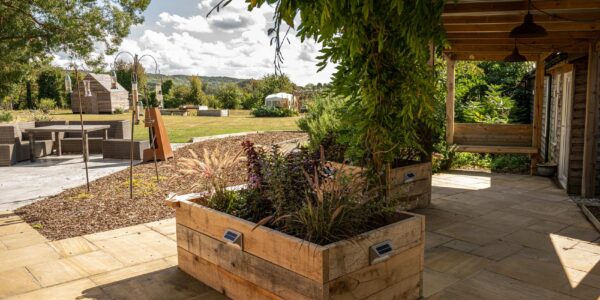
(229, 96)
(124, 72)
(196, 94)
(492, 92)
(31, 30)
(50, 85)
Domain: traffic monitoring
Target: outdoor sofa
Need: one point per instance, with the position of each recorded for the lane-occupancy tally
(14, 141)
(119, 129)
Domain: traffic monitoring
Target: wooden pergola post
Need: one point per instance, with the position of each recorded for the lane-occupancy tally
(588, 179)
(537, 110)
(450, 101)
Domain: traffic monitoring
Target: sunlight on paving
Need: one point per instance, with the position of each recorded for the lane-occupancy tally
(464, 182)
(576, 263)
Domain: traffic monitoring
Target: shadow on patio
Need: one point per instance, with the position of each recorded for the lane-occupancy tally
(169, 283)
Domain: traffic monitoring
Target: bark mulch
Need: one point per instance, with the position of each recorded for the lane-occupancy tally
(74, 212)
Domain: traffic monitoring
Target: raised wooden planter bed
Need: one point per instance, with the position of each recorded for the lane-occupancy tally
(266, 264)
(410, 184)
(213, 113)
(173, 112)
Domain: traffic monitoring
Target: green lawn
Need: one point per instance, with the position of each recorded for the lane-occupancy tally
(182, 129)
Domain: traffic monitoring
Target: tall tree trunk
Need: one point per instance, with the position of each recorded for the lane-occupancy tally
(28, 95)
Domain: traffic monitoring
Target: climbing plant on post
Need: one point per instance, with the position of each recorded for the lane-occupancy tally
(382, 50)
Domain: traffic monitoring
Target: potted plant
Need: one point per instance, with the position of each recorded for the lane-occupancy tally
(547, 169)
(296, 230)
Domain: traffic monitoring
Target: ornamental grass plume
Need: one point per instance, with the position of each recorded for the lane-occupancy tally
(213, 166)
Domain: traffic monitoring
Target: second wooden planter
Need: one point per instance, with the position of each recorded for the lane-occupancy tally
(410, 185)
(225, 253)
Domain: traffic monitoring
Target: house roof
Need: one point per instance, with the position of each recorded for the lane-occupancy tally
(105, 81)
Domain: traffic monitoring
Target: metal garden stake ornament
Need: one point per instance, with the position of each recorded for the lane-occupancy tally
(134, 112)
(69, 90)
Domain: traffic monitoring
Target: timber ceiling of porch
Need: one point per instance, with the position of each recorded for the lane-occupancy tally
(479, 30)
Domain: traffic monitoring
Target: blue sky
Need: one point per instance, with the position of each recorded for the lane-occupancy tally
(232, 42)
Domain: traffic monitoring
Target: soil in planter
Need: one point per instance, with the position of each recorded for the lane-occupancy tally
(372, 223)
(341, 231)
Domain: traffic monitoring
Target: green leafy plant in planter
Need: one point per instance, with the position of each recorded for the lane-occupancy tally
(298, 229)
(214, 167)
(382, 49)
(293, 193)
(324, 126)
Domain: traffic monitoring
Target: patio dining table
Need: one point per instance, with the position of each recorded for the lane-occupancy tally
(57, 129)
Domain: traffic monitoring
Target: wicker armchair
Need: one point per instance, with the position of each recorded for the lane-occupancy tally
(14, 144)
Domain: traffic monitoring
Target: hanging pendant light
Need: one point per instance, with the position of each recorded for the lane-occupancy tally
(528, 29)
(515, 56)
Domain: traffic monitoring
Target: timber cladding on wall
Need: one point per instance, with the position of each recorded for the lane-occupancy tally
(555, 102)
(577, 126)
(597, 146)
(577, 120)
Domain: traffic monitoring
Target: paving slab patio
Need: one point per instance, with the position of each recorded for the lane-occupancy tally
(489, 236)
(27, 182)
(137, 262)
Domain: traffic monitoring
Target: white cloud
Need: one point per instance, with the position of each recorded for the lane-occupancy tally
(232, 42)
(192, 24)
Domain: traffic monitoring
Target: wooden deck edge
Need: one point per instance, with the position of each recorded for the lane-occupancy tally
(590, 216)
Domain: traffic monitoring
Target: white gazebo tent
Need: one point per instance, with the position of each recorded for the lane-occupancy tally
(283, 100)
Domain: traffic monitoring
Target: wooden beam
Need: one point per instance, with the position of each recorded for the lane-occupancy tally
(558, 26)
(496, 149)
(487, 56)
(504, 35)
(517, 18)
(450, 101)
(512, 6)
(538, 101)
(526, 42)
(588, 180)
(572, 48)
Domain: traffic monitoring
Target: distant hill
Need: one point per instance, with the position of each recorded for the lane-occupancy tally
(185, 79)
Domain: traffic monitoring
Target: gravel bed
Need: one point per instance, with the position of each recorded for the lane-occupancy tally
(74, 212)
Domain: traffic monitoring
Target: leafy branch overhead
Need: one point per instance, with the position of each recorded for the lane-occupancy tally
(71, 25)
(30, 30)
(381, 49)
